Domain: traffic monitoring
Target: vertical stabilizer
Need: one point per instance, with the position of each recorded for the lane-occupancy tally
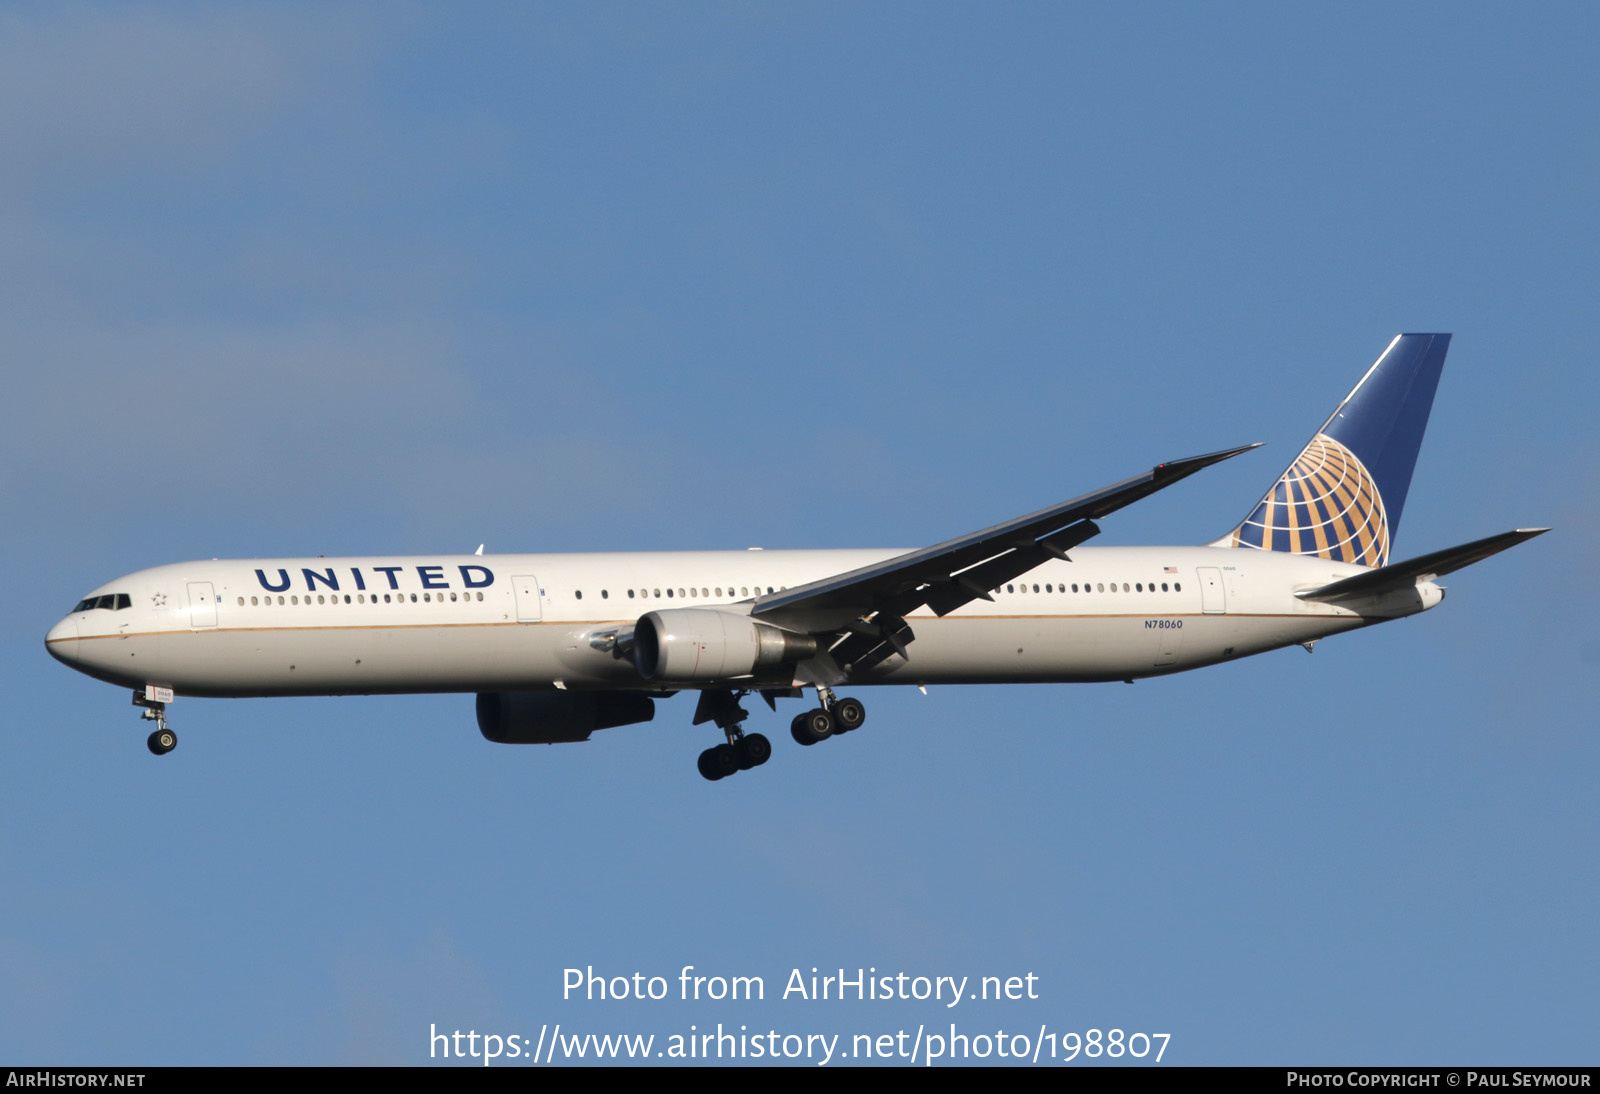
(1342, 497)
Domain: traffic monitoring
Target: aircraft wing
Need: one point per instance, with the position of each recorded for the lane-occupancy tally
(1405, 575)
(872, 602)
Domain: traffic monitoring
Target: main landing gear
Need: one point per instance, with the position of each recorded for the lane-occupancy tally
(833, 717)
(742, 750)
(163, 740)
(746, 750)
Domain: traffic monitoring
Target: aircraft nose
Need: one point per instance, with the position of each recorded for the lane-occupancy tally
(62, 641)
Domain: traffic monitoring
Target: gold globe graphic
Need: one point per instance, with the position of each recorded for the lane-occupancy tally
(1326, 505)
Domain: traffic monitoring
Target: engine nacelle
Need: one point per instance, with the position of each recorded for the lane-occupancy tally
(554, 717)
(700, 644)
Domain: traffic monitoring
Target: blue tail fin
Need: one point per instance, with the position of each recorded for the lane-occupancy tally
(1341, 498)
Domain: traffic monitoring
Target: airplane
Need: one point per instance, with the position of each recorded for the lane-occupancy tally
(558, 646)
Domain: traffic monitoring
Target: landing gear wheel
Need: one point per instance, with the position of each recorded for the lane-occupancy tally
(754, 750)
(797, 730)
(848, 714)
(812, 726)
(719, 762)
(162, 741)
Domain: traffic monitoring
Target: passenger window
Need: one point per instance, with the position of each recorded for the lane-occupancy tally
(604, 595)
(580, 594)
(630, 594)
(1176, 587)
(480, 596)
(1036, 588)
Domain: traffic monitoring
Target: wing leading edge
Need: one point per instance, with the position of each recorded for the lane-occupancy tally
(871, 603)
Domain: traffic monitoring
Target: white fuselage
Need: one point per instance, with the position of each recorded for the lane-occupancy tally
(497, 623)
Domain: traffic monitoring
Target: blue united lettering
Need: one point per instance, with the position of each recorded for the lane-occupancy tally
(326, 577)
(432, 577)
(283, 581)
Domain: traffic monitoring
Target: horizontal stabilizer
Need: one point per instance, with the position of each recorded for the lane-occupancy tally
(1405, 575)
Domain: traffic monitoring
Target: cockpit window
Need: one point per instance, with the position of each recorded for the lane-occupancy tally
(111, 602)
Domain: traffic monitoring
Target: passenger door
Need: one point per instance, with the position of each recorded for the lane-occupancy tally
(527, 590)
(202, 605)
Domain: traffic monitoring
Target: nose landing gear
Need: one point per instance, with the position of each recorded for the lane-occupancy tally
(154, 700)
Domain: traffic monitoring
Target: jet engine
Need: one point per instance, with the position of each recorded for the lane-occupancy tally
(698, 644)
(554, 717)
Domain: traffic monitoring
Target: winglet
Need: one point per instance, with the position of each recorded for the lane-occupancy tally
(1177, 469)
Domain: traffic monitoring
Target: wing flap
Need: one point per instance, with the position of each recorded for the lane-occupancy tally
(1405, 575)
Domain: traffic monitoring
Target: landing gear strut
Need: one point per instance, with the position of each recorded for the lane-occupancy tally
(742, 750)
(163, 740)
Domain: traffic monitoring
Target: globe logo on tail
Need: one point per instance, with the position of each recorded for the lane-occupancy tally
(1326, 505)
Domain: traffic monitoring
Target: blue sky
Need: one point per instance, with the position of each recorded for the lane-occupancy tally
(297, 280)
